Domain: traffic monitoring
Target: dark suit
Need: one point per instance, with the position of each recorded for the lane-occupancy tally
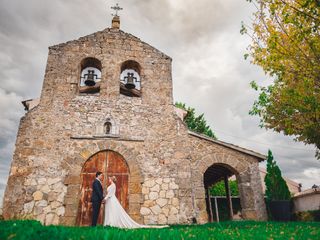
(96, 199)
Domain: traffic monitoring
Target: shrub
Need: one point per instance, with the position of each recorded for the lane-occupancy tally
(308, 216)
(219, 189)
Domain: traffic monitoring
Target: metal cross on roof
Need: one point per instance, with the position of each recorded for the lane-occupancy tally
(116, 8)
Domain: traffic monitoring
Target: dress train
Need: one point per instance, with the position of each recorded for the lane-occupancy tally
(116, 216)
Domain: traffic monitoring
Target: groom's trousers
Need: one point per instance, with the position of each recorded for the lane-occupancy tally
(95, 212)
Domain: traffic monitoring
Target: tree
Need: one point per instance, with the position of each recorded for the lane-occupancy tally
(219, 189)
(196, 123)
(276, 186)
(286, 44)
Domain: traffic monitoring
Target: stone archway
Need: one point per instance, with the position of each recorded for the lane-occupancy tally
(214, 174)
(246, 169)
(110, 163)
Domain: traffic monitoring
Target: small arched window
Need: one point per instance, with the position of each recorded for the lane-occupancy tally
(130, 81)
(90, 75)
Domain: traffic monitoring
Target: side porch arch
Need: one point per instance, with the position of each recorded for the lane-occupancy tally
(214, 174)
(217, 161)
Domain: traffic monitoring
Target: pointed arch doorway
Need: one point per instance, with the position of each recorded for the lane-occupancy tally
(110, 163)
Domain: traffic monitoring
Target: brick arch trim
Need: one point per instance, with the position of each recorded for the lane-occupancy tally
(227, 160)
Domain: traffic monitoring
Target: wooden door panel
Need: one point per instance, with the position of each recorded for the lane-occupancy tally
(117, 167)
(122, 190)
(116, 164)
(95, 163)
(110, 164)
(88, 178)
(85, 208)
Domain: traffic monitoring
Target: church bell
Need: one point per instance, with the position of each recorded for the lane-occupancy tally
(130, 79)
(89, 78)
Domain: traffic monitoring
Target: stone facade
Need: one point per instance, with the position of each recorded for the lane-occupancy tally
(166, 161)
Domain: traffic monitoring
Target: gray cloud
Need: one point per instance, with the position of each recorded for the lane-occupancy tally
(202, 37)
(11, 110)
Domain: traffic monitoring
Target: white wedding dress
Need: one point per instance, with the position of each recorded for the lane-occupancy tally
(115, 215)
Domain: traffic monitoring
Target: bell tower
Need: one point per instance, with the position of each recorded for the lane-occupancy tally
(109, 64)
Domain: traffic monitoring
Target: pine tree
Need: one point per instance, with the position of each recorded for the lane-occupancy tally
(196, 123)
(276, 186)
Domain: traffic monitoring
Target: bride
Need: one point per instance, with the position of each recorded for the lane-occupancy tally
(115, 215)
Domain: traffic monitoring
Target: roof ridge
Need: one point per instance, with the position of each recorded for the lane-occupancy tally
(230, 145)
(111, 31)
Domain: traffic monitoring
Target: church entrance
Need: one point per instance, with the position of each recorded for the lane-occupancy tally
(222, 206)
(110, 164)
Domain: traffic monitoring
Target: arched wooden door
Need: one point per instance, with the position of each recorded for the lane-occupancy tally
(110, 164)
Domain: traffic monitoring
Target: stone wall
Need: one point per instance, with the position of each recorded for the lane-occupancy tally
(308, 200)
(166, 163)
(161, 203)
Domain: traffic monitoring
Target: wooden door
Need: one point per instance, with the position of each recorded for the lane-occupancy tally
(110, 164)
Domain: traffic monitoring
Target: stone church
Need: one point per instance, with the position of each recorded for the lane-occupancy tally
(107, 105)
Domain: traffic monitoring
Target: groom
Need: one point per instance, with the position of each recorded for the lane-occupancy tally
(97, 197)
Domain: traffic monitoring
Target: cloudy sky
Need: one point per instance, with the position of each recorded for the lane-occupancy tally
(202, 37)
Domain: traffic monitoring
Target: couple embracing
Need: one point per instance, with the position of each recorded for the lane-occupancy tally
(114, 214)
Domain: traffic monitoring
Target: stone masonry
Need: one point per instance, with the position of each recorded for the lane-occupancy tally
(166, 161)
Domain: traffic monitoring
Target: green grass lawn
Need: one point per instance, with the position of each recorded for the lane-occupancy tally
(225, 230)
